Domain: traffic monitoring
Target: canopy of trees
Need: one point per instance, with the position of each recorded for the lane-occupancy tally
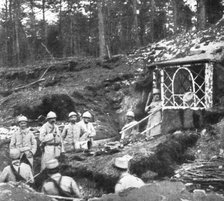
(98, 28)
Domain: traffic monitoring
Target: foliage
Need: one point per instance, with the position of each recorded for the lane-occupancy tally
(27, 34)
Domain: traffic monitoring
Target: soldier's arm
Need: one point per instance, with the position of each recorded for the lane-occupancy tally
(61, 141)
(83, 133)
(33, 144)
(13, 141)
(64, 132)
(44, 136)
(118, 188)
(75, 189)
(4, 175)
(93, 131)
(31, 178)
(43, 190)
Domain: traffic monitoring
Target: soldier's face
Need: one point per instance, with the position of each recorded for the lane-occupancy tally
(52, 120)
(86, 120)
(73, 119)
(129, 118)
(156, 97)
(23, 124)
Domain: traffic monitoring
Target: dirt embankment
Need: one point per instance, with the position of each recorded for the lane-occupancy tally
(77, 84)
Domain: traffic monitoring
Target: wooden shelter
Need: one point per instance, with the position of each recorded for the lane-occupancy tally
(186, 82)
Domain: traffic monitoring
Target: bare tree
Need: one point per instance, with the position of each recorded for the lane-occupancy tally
(102, 41)
(201, 13)
(135, 25)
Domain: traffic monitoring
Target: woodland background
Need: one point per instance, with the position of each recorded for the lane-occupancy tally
(94, 28)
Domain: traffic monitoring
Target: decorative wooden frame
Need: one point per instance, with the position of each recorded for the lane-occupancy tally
(196, 78)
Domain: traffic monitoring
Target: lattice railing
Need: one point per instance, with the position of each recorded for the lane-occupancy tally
(196, 78)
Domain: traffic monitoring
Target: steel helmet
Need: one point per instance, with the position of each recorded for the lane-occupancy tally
(14, 153)
(86, 115)
(22, 118)
(72, 114)
(51, 115)
(155, 91)
(51, 164)
(130, 114)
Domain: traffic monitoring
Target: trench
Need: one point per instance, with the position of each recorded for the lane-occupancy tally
(96, 175)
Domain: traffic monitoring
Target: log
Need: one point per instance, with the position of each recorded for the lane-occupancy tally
(64, 198)
(19, 88)
(28, 85)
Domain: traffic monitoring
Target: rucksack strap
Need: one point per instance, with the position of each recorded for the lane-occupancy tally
(17, 174)
(58, 186)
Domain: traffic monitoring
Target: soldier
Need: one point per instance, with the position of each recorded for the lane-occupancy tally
(24, 140)
(50, 138)
(56, 184)
(127, 134)
(154, 122)
(16, 171)
(87, 131)
(71, 133)
(126, 180)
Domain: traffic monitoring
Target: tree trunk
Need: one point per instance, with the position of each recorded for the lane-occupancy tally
(152, 20)
(201, 14)
(175, 11)
(44, 22)
(60, 28)
(6, 30)
(10, 36)
(17, 42)
(33, 32)
(135, 25)
(102, 42)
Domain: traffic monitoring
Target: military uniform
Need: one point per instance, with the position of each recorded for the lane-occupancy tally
(86, 132)
(22, 169)
(56, 184)
(71, 135)
(67, 185)
(155, 119)
(128, 181)
(51, 139)
(25, 141)
(127, 135)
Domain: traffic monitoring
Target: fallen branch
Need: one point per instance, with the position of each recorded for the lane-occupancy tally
(64, 198)
(28, 85)
(41, 79)
(19, 88)
(52, 57)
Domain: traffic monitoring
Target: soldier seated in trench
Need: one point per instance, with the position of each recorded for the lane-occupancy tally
(17, 170)
(56, 184)
(126, 180)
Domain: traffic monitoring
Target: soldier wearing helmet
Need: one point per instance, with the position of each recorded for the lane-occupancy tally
(50, 139)
(71, 133)
(86, 129)
(129, 130)
(17, 170)
(24, 140)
